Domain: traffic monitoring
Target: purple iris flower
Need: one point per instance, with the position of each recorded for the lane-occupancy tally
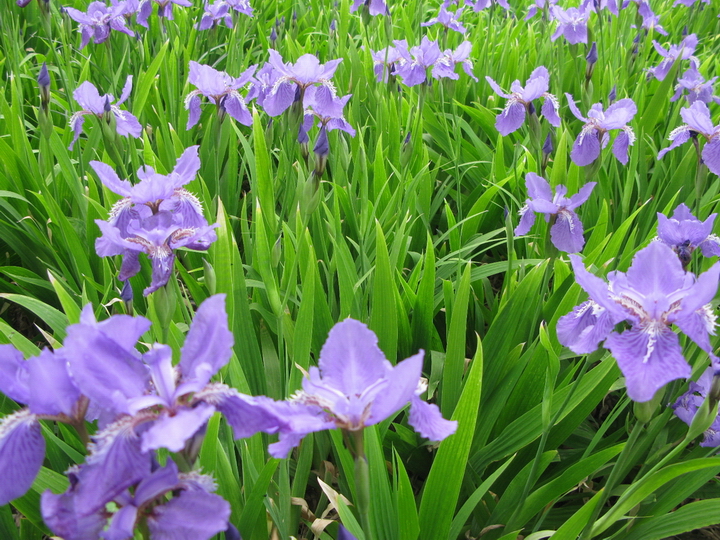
(445, 65)
(214, 15)
(165, 9)
(697, 122)
(92, 102)
(572, 24)
(688, 404)
(479, 5)
(598, 5)
(654, 293)
(322, 104)
(155, 216)
(192, 512)
(23, 3)
(354, 386)
(222, 89)
(414, 63)
(98, 21)
(566, 232)
(539, 7)
(683, 51)
(650, 21)
(594, 135)
(697, 88)
(292, 80)
(684, 233)
(689, 3)
(241, 6)
(520, 101)
(374, 7)
(384, 62)
(448, 19)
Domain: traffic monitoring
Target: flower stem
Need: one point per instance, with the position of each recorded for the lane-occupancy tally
(362, 483)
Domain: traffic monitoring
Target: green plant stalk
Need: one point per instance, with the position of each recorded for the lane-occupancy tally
(362, 483)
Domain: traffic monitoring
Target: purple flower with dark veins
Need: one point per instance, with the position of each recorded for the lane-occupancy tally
(572, 24)
(354, 386)
(165, 9)
(683, 51)
(684, 233)
(698, 89)
(92, 102)
(414, 63)
(520, 101)
(448, 19)
(292, 80)
(697, 123)
(594, 135)
(445, 65)
(222, 89)
(98, 21)
(688, 404)
(654, 293)
(155, 216)
(566, 232)
(214, 15)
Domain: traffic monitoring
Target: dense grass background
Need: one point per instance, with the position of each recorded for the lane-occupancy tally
(412, 236)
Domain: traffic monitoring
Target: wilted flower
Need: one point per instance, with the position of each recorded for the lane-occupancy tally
(697, 122)
(683, 51)
(683, 232)
(92, 102)
(698, 89)
(98, 21)
(222, 89)
(354, 386)
(566, 232)
(572, 23)
(654, 293)
(594, 135)
(447, 19)
(520, 101)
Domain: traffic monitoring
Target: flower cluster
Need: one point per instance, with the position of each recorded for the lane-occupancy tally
(412, 64)
(682, 51)
(155, 216)
(99, 19)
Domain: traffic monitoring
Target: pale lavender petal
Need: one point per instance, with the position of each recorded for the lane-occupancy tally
(125, 91)
(697, 116)
(63, 518)
(527, 220)
(172, 432)
(550, 110)
(194, 515)
(402, 381)
(110, 179)
(649, 358)
(711, 155)
(14, 375)
(76, 124)
(537, 187)
(619, 114)
(280, 98)
(426, 419)
(497, 88)
(52, 391)
(511, 118)
(573, 108)
(537, 84)
(127, 124)
(567, 232)
(89, 98)
(584, 327)
(586, 148)
(22, 451)
(581, 196)
(620, 147)
(235, 107)
(208, 345)
(122, 524)
(678, 137)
